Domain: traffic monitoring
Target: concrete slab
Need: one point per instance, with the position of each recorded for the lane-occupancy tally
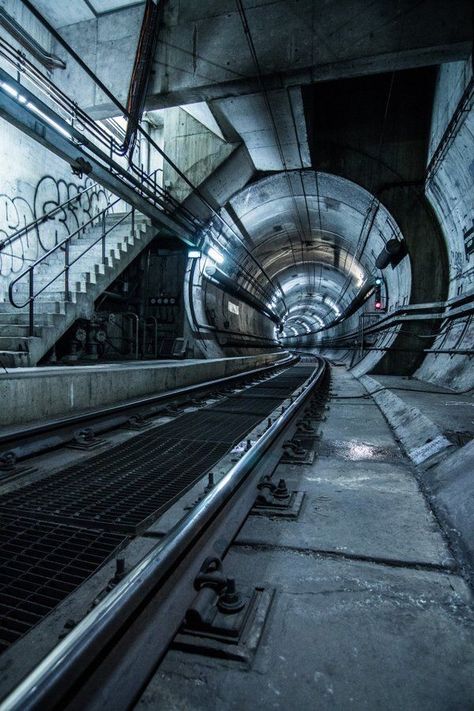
(451, 486)
(368, 613)
(340, 635)
(422, 439)
(358, 420)
(362, 509)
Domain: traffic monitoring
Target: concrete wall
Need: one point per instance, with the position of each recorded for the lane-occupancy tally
(248, 325)
(450, 190)
(195, 149)
(32, 182)
(36, 394)
(386, 153)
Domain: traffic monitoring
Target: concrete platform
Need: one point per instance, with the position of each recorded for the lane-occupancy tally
(30, 394)
(370, 610)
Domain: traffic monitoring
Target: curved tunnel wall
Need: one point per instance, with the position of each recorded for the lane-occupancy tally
(312, 242)
(450, 190)
(306, 228)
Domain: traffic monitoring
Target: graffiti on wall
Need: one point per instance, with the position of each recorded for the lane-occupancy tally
(50, 193)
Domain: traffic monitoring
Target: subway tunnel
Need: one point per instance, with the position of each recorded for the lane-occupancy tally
(236, 354)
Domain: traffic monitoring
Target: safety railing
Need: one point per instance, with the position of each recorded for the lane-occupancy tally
(82, 129)
(46, 216)
(136, 320)
(29, 273)
(147, 322)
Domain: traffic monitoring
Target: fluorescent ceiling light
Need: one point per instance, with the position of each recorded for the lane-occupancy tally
(29, 105)
(46, 118)
(194, 254)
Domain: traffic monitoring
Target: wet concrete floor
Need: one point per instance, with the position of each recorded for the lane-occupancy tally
(370, 610)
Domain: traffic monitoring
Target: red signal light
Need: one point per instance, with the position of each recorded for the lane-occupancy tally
(378, 305)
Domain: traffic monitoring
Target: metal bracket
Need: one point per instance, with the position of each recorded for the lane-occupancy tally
(276, 500)
(222, 621)
(10, 469)
(136, 422)
(295, 453)
(85, 439)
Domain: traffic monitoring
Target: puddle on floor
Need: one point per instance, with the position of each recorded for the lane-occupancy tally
(356, 451)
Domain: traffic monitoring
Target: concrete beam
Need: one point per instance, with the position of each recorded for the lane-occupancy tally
(250, 117)
(202, 52)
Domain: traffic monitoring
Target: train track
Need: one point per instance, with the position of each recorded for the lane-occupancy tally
(109, 656)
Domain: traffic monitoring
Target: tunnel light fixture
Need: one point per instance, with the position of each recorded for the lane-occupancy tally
(378, 281)
(215, 255)
(194, 254)
(46, 118)
(34, 109)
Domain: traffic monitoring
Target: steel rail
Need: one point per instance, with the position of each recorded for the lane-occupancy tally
(106, 660)
(35, 439)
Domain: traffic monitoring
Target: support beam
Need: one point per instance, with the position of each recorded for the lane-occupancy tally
(202, 53)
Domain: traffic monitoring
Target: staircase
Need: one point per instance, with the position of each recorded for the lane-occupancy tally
(88, 278)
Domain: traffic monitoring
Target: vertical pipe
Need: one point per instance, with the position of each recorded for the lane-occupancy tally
(144, 338)
(66, 270)
(31, 305)
(103, 238)
(137, 337)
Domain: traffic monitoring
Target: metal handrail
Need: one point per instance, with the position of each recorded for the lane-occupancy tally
(44, 218)
(67, 263)
(77, 117)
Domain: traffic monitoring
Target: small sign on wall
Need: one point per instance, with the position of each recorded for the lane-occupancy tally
(233, 308)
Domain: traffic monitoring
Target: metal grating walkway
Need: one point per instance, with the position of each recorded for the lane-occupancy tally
(60, 530)
(40, 564)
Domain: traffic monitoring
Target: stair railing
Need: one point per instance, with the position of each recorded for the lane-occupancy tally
(47, 216)
(64, 245)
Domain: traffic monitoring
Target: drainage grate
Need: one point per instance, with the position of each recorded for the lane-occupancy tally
(57, 532)
(210, 425)
(41, 563)
(243, 404)
(120, 490)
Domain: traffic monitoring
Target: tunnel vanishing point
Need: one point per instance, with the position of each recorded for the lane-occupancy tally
(236, 355)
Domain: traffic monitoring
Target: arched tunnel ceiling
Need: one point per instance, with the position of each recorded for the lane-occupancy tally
(316, 236)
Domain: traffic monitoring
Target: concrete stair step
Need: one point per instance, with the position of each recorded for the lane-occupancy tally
(13, 330)
(21, 318)
(17, 343)
(88, 277)
(13, 359)
(49, 309)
